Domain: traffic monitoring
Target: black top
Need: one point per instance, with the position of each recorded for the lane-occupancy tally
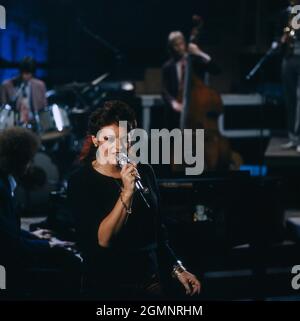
(92, 196)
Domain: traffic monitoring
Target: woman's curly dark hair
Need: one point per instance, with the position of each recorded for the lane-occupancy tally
(17, 148)
(112, 112)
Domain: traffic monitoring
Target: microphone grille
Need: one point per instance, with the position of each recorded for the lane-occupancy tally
(122, 159)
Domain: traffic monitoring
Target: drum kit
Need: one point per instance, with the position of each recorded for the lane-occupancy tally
(53, 121)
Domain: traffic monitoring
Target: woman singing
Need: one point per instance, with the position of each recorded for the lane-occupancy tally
(121, 238)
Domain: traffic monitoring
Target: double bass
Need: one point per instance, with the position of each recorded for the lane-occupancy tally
(202, 106)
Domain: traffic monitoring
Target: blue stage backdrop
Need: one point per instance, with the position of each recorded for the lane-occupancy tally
(26, 34)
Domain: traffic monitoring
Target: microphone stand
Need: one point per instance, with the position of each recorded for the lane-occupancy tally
(262, 60)
(142, 194)
(275, 45)
(94, 83)
(116, 52)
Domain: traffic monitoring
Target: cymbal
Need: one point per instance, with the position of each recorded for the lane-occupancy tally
(76, 110)
(72, 86)
(55, 135)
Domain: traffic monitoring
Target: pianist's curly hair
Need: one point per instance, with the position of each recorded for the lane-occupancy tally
(17, 148)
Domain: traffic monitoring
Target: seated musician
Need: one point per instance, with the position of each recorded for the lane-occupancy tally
(18, 248)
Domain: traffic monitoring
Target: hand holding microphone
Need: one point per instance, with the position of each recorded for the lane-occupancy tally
(128, 175)
(131, 176)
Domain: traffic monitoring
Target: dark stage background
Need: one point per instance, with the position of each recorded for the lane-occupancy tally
(63, 36)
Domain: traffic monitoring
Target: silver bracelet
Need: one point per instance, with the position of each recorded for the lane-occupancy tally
(128, 210)
(178, 268)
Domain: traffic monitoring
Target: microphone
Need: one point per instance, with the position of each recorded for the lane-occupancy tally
(23, 88)
(122, 160)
